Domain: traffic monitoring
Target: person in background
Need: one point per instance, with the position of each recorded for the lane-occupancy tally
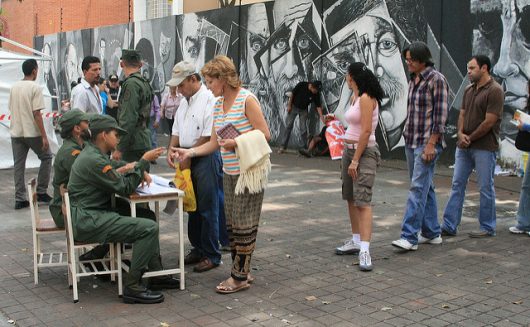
(102, 87)
(170, 104)
(27, 132)
(240, 108)
(85, 95)
(114, 91)
(360, 159)
(154, 122)
(523, 212)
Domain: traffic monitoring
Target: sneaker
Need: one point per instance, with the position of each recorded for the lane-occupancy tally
(21, 204)
(365, 261)
(480, 234)
(434, 240)
(281, 150)
(349, 247)
(405, 245)
(44, 198)
(515, 230)
(447, 233)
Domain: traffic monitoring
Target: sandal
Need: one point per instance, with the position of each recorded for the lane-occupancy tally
(250, 279)
(224, 288)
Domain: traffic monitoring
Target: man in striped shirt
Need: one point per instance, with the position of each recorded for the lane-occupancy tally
(427, 108)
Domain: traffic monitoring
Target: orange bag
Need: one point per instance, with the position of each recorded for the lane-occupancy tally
(183, 182)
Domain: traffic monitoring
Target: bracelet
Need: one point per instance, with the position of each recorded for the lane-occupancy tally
(432, 143)
(355, 162)
(193, 153)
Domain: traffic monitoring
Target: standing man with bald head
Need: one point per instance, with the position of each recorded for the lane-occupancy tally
(135, 107)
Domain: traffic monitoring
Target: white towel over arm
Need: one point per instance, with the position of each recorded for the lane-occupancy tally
(253, 153)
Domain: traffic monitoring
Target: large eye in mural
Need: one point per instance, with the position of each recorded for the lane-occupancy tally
(281, 44)
(303, 43)
(256, 43)
(386, 45)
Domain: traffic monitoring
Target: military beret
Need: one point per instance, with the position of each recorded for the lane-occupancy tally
(131, 55)
(101, 122)
(71, 118)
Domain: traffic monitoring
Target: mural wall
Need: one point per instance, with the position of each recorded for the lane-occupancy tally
(277, 44)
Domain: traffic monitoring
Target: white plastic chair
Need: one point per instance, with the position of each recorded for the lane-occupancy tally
(41, 227)
(76, 268)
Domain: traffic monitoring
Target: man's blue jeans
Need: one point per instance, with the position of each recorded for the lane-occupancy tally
(203, 224)
(484, 164)
(223, 232)
(523, 213)
(421, 213)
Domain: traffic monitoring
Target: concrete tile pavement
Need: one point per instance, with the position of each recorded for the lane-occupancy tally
(299, 280)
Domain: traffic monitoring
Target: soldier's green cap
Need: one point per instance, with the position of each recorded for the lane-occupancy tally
(71, 118)
(131, 55)
(101, 122)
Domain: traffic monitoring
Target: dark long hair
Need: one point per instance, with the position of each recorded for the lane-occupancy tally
(366, 81)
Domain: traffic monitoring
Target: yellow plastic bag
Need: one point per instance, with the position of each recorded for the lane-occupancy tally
(183, 182)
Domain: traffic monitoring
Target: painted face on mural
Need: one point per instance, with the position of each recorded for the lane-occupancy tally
(289, 48)
(370, 39)
(191, 41)
(164, 47)
(257, 34)
(72, 63)
(502, 31)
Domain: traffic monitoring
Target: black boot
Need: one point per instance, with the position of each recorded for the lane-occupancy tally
(163, 283)
(139, 294)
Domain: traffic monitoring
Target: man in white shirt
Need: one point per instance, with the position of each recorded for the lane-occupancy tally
(192, 127)
(85, 96)
(27, 132)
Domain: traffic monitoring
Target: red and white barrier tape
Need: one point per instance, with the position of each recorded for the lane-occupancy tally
(45, 115)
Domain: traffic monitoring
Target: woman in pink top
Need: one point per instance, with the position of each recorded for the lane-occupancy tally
(360, 160)
(170, 104)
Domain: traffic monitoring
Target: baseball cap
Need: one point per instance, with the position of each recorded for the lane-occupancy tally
(180, 71)
(113, 77)
(99, 122)
(71, 118)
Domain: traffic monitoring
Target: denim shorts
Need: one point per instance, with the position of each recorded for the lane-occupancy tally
(360, 190)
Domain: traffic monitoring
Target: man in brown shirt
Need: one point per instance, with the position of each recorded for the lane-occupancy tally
(478, 140)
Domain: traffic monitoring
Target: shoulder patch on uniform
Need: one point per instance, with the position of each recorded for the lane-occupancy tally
(106, 169)
(127, 95)
(76, 152)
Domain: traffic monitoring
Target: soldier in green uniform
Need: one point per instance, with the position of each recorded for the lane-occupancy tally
(73, 125)
(135, 106)
(93, 180)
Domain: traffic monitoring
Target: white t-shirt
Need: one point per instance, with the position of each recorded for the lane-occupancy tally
(25, 98)
(194, 118)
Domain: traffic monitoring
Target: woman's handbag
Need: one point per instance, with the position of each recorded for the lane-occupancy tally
(522, 141)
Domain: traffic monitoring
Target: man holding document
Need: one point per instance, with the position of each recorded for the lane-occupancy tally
(93, 181)
(193, 127)
(478, 140)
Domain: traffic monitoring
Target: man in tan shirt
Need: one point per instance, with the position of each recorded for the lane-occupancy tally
(27, 132)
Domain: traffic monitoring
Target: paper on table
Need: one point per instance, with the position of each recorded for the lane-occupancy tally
(159, 185)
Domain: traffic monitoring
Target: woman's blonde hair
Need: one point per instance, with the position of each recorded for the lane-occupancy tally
(223, 68)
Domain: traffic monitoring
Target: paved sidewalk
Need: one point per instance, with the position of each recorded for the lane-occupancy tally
(299, 279)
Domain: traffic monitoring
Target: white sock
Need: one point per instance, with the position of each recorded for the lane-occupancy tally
(356, 238)
(365, 246)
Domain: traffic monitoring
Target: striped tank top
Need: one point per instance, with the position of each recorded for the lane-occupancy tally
(236, 116)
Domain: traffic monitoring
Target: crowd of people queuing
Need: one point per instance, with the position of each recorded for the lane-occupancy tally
(109, 143)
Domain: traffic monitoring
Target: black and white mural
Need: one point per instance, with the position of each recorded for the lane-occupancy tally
(49, 45)
(73, 47)
(107, 45)
(501, 30)
(277, 44)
